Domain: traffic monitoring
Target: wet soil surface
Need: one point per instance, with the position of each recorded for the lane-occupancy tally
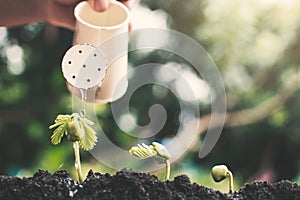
(130, 185)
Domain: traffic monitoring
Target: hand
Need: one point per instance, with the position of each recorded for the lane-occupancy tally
(60, 12)
(56, 12)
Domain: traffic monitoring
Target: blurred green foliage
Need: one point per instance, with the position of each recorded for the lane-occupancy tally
(255, 45)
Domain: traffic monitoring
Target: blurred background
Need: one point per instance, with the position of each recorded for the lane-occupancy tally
(255, 46)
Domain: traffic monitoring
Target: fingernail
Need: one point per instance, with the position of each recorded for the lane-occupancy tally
(101, 5)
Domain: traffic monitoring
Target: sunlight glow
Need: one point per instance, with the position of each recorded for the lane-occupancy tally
(143, 17)
(15, 63)
(180, 78)
(198, 86)
(127, 122)
(288, 3)
(3, 35)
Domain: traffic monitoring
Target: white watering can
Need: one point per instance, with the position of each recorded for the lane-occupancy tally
(96, 63)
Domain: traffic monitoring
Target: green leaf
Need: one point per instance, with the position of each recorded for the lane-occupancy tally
(76, 128)
(87, 121)
(63, 117)
(58, 133)
(88, 141)
(79, 127)
(56, 124)
(142, 151)
(161, 150)
(60, 119)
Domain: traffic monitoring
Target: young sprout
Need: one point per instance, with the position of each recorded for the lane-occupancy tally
(220, 172)
(78, 130)
(155, 150)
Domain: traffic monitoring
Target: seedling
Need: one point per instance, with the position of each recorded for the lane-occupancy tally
(156, 150)
(220, 172)
(78, 130)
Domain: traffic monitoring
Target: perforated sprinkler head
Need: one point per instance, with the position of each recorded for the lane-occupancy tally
(84, 66)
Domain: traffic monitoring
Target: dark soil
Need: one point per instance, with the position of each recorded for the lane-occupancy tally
(133, 185)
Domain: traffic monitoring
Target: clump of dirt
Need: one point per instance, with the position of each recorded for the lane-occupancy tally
(283, 190)
(42, 185)
(131, 185)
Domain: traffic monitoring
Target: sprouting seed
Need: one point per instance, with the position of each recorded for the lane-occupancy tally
(156, 150)
(78, 130)
(220, 172)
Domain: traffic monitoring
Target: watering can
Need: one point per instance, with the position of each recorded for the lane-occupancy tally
(97, 63)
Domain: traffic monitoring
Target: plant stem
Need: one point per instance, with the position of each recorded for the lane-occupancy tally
(230, 181)
(168, 168)
(77, 161)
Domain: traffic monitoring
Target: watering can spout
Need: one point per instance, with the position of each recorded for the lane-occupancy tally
(85, 67)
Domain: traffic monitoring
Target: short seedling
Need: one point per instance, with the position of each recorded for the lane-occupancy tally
(220, 172)
(78, 130)
(155, 150)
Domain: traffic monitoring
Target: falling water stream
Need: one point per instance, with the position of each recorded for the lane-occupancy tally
(83, 102)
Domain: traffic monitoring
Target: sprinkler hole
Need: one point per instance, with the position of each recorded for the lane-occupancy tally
(95, 55)
(80, 51)
(88, 80)
(69, 62)
(73, 76)
(99, 69)
(83, 66)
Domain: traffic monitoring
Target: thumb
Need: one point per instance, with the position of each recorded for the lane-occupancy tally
(99, 5)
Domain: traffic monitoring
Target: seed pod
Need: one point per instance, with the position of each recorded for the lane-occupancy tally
(161, 150)
(219, 172)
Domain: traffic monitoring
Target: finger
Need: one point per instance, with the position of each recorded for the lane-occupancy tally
(99, 5)
(128, 3)
(67, 2)
(129, 26)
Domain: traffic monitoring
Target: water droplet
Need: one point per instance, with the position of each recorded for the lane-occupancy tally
(82, 112)
(71, 193)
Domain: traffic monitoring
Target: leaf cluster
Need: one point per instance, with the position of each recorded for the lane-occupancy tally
(144, 151)
(76, 128)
